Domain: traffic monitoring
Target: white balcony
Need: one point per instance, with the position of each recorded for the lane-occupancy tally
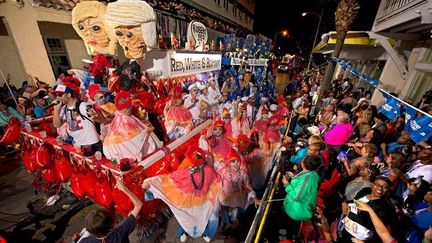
(404, 16)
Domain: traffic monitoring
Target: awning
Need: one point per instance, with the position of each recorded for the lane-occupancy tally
(353, 39)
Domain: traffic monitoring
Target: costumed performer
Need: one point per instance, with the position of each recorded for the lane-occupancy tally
(192, 195)
(127, 136)
(219, 145)
(103, 111)
(237, 190)
(178, 119)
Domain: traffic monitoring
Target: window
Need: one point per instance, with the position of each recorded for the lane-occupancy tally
(57, 54)
(54, 45)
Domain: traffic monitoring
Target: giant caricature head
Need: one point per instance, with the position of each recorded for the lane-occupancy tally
(134, 23)
(88, 20)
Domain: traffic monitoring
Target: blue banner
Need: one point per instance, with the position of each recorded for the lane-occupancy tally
(391, 108)
(420, 129)
(410, 114)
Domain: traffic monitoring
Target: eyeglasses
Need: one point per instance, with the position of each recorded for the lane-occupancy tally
(381, 186)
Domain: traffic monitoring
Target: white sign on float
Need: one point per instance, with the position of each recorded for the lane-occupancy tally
(165, 64)
(197, 36)
(190, 63)
(250, 62)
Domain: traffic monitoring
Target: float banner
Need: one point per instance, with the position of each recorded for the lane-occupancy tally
(190, 63)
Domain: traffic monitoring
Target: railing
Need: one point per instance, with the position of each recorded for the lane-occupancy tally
(393, 7)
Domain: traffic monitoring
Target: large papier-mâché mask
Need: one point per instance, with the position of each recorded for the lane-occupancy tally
(94, 35)
(132, 40)
(88, 20)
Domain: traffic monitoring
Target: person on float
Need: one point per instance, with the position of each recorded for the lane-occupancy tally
(260, 126)
(134, 24)
(214, 94)
(229, 124)
(204, 94)
(88, 20)
(231, 87)
(97, 94)
(205, 112)
(272, 109)
(224, 103)
(192, 194)
(282, 107)
(237, 193)
(178, 119)
(127, 136)
(103, 112)
(191, 101)
(266, 136)
(249, 108)
(241, 121)
(72, 113)
(263, 104)
(271, 138)
(218, 144)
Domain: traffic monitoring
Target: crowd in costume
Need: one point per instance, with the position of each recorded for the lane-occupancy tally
(345, 164)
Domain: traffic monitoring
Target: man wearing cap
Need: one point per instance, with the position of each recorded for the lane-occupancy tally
(79, 125)
(191, 101)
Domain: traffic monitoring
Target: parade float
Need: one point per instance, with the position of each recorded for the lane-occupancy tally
(153, 76)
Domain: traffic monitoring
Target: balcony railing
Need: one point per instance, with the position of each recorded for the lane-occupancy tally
(407, 14)
(394, 7)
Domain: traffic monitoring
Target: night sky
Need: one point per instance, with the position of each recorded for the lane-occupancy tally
(277, 15)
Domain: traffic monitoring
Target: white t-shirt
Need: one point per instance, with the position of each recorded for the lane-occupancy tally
(213, 94)
(81, 129)
(418, 169)
(193, 107)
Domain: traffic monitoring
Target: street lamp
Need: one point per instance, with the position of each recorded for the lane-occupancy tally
(283, 32)
(316, 33)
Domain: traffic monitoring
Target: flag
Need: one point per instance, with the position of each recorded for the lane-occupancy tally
(420, 129)
(410, 114)
(391, 108)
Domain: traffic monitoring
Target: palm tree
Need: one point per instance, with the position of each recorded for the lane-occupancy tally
(345, 14)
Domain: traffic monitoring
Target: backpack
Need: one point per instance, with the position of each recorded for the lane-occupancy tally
(76, 108)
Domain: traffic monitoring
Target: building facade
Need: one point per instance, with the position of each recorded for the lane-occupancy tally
(408, 71)
(37, 38)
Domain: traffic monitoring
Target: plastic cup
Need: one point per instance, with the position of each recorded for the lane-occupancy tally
(98, 155)
(43, 134)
